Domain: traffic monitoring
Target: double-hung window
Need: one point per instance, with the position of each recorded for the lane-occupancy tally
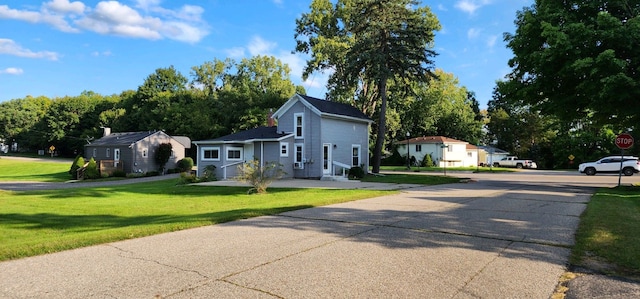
(284, 149)
(210, 154)
(355, 155)
(298, 121)
(234, 153)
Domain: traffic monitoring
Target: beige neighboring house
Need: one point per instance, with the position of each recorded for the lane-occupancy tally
(444, 151)
(134, 152)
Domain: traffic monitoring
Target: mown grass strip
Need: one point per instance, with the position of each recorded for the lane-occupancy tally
(609, 231)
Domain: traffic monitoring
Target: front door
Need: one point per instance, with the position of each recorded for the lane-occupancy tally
(116, 156)
(326, 159)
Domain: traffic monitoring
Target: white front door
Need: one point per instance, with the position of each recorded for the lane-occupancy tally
(326, 159)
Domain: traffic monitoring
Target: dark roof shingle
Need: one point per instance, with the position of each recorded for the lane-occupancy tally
(335, 107)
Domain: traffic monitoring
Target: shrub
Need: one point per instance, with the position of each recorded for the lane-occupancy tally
(356, 172)
(119, 173)
(185, 164)
(152, 173)
(427, 161)
(92, 172)
(187, 178)
(208, 174)
(258, 176)
(78, 163)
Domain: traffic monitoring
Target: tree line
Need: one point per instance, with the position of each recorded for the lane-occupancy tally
(573, 86)
(220, 97)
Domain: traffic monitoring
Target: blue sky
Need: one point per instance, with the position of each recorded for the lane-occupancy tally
(63, 47)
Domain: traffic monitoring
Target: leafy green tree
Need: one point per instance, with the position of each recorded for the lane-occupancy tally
(440, 107)
(162, 155)
(369, 42)
(579, 60)
(518, 128)
(19, 118)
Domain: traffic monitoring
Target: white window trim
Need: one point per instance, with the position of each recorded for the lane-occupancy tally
(233, 148)
(295, 154)
(295, 125)
(108, 152)
(210, 148)
(353, 146)
(144, 153)
(95, 152)
(284, 145)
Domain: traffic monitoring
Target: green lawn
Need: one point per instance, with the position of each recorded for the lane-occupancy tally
(410, 179)
(22, 170)
(37, 222)
(610, 231)
(442, 169)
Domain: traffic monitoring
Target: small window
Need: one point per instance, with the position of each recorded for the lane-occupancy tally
(144, 153)
(173, 154)
(299, 153)
(284, 149)
(211, 154)
(95, 152)
(299, 124)
(234, 154)
(355, 155)
(469, 154)
(418, 147)
(108, 152)
(450, 148)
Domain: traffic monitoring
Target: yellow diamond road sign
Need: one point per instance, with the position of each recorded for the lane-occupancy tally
(571, 157)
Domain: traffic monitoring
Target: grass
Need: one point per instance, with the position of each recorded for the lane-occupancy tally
(442, 169)
(38, 222)
(410, 179)
(23, 170)
(609, 233)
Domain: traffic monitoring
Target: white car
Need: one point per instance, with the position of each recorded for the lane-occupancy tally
(611, 164)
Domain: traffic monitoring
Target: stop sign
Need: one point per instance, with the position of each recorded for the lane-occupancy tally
(624, 141)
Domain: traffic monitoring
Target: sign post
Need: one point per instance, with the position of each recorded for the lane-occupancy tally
(623, 141)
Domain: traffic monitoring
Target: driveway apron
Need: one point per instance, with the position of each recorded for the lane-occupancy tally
(484, 239)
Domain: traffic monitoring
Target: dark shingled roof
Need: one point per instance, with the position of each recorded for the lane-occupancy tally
(335, 107)
(257, 133)
(125, 138)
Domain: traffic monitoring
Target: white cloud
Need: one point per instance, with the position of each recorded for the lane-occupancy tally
(235, 53)
(491, 41)
(148, 20)
(442, 7)
(35, 17)
(103, 53)
(259, 46)
(470, 6)
(12, 71)
(473, 33)
(10, 47)
(64, 6)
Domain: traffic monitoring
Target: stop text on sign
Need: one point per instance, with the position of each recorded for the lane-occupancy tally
(624, 141)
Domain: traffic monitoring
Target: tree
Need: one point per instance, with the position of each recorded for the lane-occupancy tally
(162, 155)
(440, 107)
(368, 43)
(579, 60)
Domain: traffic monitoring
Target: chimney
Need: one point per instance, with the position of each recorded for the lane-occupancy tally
(270, 121)
(106, 131)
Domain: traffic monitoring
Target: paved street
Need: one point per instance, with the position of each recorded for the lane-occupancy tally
(501, 235)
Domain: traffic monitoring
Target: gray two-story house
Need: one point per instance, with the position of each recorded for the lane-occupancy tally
(313, 138)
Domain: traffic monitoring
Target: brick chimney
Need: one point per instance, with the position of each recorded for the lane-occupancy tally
(270, 121)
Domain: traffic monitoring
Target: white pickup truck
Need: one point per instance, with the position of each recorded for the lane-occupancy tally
(513, 161)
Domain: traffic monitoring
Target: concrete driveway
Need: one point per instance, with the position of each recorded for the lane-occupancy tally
(490, 238)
